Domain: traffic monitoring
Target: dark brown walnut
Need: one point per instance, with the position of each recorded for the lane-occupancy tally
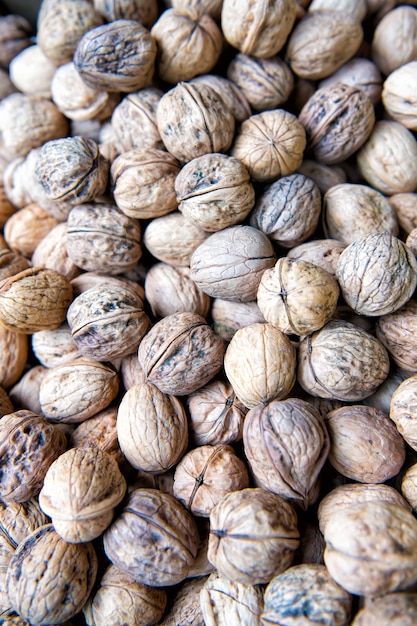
(28, 446)
(51, 253)
(270, 144)
(181, 353)
(134, 120)
(143, 182)
(6, 405)
(322, 42)
(74, 391)
(143, 11)
(325, 176)
(409, 486)
(358, 72)
(34, 299)
(321, 252)
(371, 548)
(221, 599)
(297, 297)
(186, 606)
(54, 347)
(6, 207)
(71, 170)
(15, 36)
(377, 274)
(229, 316)
(119, 599)
(154, 538)
(397, 332)
(352, 211)
(205, 474)
(288, 210)
(253, 536)
(266, 83)
(388, 609)
(229, 92)
(342, 361)
(229, 263)
(80, 492)
(365, 445)
(402, 410)
(13, 356)
(193, 120)
(338, 120)
(214, 191)
(305, 593)
(15, 182)
(100, 432)
(152, 428)
(286, 443)
(118, 56)
(189, 43)
(255, 29)
(394, 39)
(100, 238)
(216, 415)
(64, 574)
(26, 228)
(260, 364)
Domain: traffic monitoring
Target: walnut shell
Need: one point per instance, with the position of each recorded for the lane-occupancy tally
(324, 253)
(181, 353)
(359, 72)
(253, 536)
(31, 72)
(229, 316)
(397, 331)
(325, 176)
(186, 608)
(377, 274)
(409, 486)
(64, 575)
(286, 444)
(51, 253)
(152, 428)
(405, 206)
(222, 600)
(13, 356)
(388, 609)
(26, 228)
(231, 94)
(100, 432)
(11, 263)
(15, 34)
(394, 39)
(154, 539)
(398, 95)
(25, 393)
(6, 405)
(402, 410)
(29, 444)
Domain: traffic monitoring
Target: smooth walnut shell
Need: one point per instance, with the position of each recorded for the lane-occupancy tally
(26, 228)
(206, 474)
(80, 492)
(405, 207)
(28, 446)
(229, 264)
(342, 361)
(286, 444)
(13, 356)
(260, 364)
(398, 95)
(15, 36)
(11, 263)
(134, 120)
(229, 92)
(152, 428)
(253, 536)
(131, 372)
(76, 390)
(121, 600)
(394, 39)
(402, 410)
(31, 72)
(181, 353)
(223, 600)
(99, 432)
(64, 574)
(377, 274)
(409, 486)
(214, 191)
(6, 207)
(51, 253)
(154, 539)
(255, 29)
(229, 316)
(371, 548)
(54, 347)
(186, 608)
(397, 332)
(359, 72)
(385, 610)
(34, 299)
(25, 393)
(324, 253)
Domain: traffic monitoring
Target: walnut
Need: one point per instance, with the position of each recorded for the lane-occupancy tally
(6, 86)
(297, 297)
(64, 580)
(15, 36)
(143, 182)
(27, 227)
(143, 11)
(394, 39)
(359, 72)
(172, 239)
(369, 212)
(270, 144)
(229, 92)
(134, 120)
(288, 210)
(388, 160)
(13, 356)
(186, 607)
(405, 207)
(356, 8)
(325, 176)
(342, 361)
(371, 548)
(99, 432)
(152, 428)
(386, 610)
(222, 600)
(34, 299)
(6, 405)
(253, 536)
(181, 353)
(210, 7)
(247, 27)
(170, 290)
(322, 42)
(193, 120)
(321, 252)
(409, 485)
(229, 316)
(25, 393)
(189, 43)
(286, 444)
(402, 410)
(382, 397)
(118, 56)
(154, 539)
(100, 238)
(205, 474)
(396, 331)
(398, 95)
(31, 71)
(119, 599)
(377, 274)
(131, 372)
(76, 390)
(365, 445)
(55, 346)
(51, 253)
(266, 83)
(29, 444)
(307, 593)
(11, 263)
(230, 262)
(214, 191)
(6, 207)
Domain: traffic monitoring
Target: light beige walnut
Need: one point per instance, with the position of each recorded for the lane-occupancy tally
(25, 393)
(394, 39)
(100, 432)
(91, 280)
(356, 8)
(409, 485)
(398, 95)
(358, 72)
(405, 207)
(6, 207)
(321, 252)
(260, 364)
(286, 444)
(54, 347)
(11, 263)
(6, 405)
(15, 36)
(131, 372)
(229, 316)
(133, 121)
(31, 71)
(397, 331)
(51, 252)
(223, 600)
(402, 410)
(14, 350)
(325, 176)
(230, 93)
(186, 607)
(26, 228)
(143, 11)
(386, 610)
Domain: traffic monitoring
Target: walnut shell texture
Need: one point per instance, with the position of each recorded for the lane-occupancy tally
(388, 609)
(402, 410)
(223, 600)
(397, 332)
